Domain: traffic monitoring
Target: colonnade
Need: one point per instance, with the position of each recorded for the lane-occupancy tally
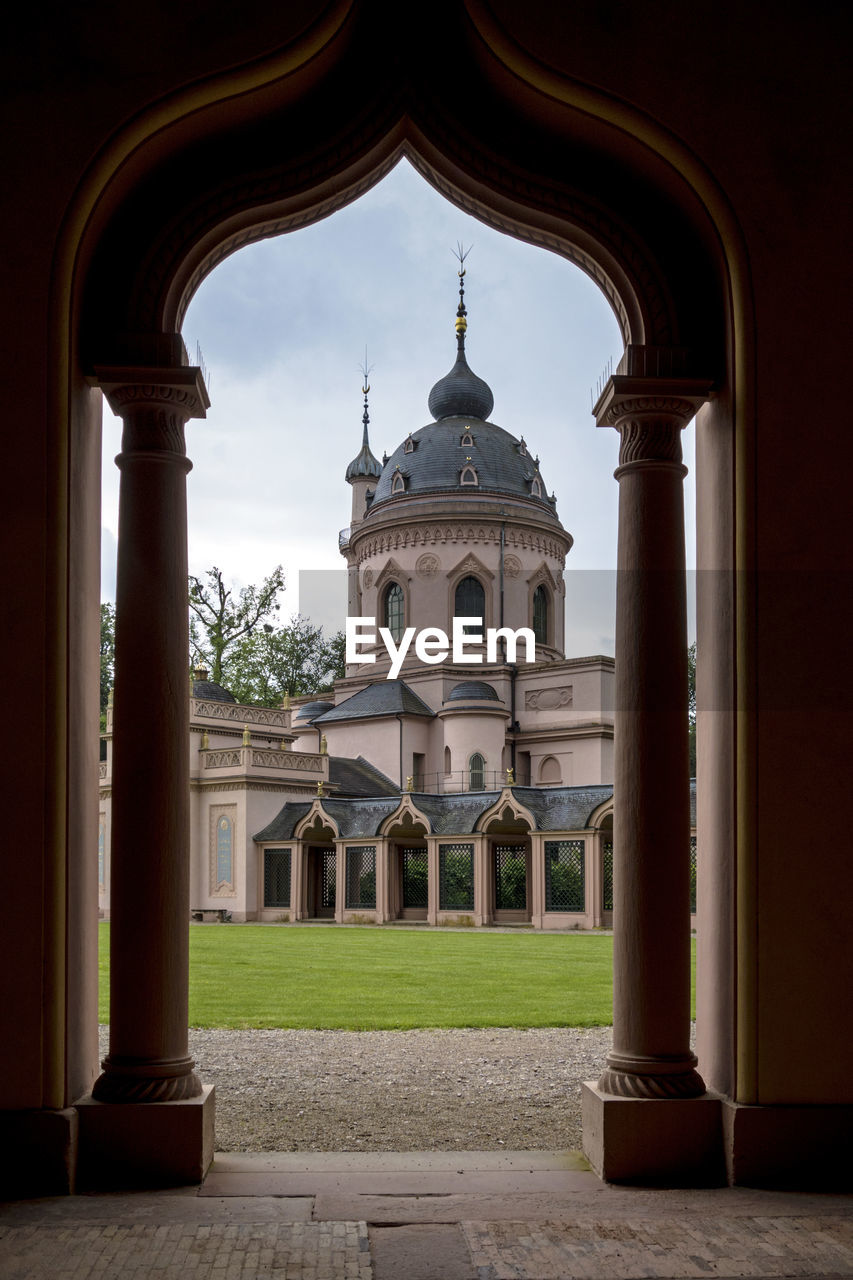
(148, 1055)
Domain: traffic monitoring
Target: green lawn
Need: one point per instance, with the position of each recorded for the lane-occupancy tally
(371, 979)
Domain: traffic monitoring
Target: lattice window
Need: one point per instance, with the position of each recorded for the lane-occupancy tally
(328, 883)
(414, 869)
(476, 773)
(510, 877)
(276, 877)
(361, 876)
(456, 877)
(607, 876)
(565, 881)
(693, 875)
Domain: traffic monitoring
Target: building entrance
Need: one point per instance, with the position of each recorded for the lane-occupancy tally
(510, 863)
(414, 882)
(321, 873)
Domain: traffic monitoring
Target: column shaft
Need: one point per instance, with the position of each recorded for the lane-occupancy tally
(651, 1055)
(149, 934)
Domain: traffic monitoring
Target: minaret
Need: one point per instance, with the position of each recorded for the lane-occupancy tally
(364, 470)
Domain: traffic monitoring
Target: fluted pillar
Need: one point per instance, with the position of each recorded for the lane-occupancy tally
(148, 1058)
(651, 1056)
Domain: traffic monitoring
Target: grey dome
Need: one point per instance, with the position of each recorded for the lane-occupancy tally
(209, 690)
(460, 393)
(473, 691)
(436, 462)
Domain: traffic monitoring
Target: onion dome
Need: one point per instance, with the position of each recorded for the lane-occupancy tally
(460, 393)
(364, 465)
(208, 690)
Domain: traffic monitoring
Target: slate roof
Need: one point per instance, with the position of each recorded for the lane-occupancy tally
(210, 691)
(473, 691)
(436, 463)
(554, 809)
(359, 778)
(310, 710)
(383, 698)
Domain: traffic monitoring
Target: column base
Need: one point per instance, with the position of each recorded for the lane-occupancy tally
(674, 1142)
(39, 1153)
(145, 1144)
(796, 1147)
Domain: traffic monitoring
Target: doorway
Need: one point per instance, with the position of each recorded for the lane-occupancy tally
(511, 878)
(320, 882)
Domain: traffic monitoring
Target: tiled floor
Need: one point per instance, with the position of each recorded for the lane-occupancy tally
(428, 1216)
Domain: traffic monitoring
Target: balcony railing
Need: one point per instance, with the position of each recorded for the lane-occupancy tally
(464, 780)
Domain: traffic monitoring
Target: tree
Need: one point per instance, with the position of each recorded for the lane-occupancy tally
(295, 659)
(108, 656)
(691, 706)
(218, 621)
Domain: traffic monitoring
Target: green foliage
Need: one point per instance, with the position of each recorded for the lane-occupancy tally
(108, 657)
(218, 620)
(567, 886)
(691, 705)
(374, 978)
(294, 659)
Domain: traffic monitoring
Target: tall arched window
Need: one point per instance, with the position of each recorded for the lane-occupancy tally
(470, 602)
(395, 611)
(476, 773)
(540, 615)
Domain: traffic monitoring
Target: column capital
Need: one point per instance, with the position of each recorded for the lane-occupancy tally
(180, 389)
(649, 414)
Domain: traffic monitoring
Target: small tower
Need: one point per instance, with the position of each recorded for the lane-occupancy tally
(364, 470)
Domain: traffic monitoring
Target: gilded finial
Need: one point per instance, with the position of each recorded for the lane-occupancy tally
(324, 746)
(205, 741)
(410, 779)
(461, 253)
(285, 702)
(247, 737)
(320, 791)
(510, 777)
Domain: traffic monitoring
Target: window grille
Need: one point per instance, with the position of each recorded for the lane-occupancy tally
(361, 876)
(564, 875)
(510, 877)
(395, 611)
(415, 877)
(607, 876)
(276, 877)
(476, 773)
(456, 877)
(328, 884)
(693, 875)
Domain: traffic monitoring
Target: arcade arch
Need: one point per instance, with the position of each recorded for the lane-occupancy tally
(666, 278)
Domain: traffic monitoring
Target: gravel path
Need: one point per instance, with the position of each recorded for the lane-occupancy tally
(398, 1090)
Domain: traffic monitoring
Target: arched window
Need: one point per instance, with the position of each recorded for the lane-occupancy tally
(409, 446)
(398, 484)
(447, 761)
(535, 488)
(467, 440)
(476, 773)
(469, 476)
(540, 615)
(395, 611)
(470, 599)
(549, 771)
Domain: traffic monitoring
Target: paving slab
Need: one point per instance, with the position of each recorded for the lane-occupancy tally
(420, 1252)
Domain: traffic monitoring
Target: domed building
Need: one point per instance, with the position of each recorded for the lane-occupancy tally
(461, 771)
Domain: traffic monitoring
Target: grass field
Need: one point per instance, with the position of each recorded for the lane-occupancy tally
(369, 979)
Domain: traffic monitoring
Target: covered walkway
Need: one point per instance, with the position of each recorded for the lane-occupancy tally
(431, 1216)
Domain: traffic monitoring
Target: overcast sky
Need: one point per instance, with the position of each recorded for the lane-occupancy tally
(283, 326)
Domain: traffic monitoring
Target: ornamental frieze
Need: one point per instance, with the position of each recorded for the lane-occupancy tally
(272, 716)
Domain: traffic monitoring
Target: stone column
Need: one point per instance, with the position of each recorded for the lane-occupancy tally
(148, 1058)
(651, 1056)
